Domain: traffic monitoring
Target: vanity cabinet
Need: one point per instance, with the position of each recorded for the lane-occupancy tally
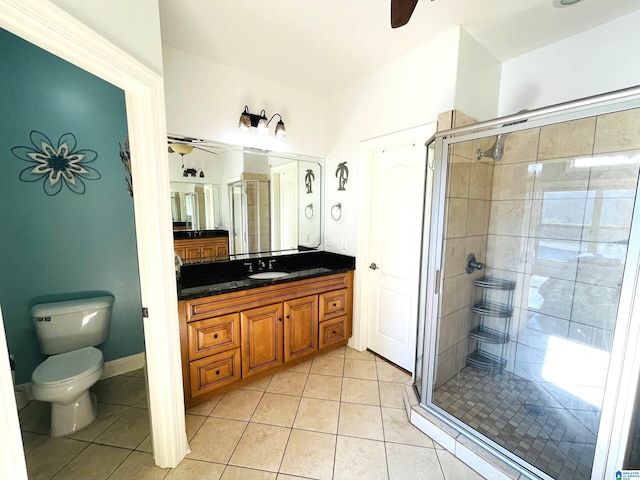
(195, 249)
(234, 336)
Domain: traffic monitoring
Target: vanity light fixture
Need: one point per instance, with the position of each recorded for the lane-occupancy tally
(259, 121)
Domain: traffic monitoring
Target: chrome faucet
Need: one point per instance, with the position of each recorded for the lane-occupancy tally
(271, 262)
(250, 265)
(261, 265)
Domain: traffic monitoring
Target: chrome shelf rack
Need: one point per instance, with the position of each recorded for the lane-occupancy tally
(494, 311)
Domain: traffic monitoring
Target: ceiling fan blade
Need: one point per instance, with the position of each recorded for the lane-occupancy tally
(205, 150)
(401, 11)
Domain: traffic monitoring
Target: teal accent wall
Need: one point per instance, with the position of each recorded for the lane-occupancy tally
(69, 245)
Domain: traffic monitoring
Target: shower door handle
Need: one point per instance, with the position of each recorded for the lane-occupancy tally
(373, 266)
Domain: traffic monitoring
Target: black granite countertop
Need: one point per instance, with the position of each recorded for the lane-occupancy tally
(189, 234)
(205, 279)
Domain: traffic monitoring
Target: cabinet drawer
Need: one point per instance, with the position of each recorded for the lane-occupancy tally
(332, 331)
(213, 335)
(333, 304)
(212, 372)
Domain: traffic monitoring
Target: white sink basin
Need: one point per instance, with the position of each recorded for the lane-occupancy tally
(268, 275)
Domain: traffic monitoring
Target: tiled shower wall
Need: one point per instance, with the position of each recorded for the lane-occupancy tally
(467, 219)
(561, 208)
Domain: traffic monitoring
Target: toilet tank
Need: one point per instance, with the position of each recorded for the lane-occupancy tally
(72, 324)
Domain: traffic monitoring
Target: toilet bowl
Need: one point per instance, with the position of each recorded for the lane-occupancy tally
(65, 380)
(68, 331)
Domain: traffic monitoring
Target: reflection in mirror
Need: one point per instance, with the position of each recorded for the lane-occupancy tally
(195, 206)
(268, 202)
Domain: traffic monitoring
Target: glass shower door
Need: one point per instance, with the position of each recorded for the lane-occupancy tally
(524, 336)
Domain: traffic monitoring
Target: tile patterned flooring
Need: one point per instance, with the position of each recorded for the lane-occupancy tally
(529, 420)
(339, 416)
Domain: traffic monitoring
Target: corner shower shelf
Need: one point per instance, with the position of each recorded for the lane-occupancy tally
(487, 362)
(495, 283)
(492, 309)
(489, 335)
(495, 309)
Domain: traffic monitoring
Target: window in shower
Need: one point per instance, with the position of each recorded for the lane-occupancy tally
(553, 215)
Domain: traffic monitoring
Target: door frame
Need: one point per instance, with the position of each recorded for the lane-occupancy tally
(47, 26)
(362, 281)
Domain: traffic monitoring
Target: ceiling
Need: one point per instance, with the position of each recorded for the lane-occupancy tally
(319, 46)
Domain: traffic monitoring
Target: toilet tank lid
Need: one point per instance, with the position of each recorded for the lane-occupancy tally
(70, 306)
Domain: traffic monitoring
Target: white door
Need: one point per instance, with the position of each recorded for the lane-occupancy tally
(284, 183)
(397, 192)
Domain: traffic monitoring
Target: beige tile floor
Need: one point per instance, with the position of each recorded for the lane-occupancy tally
(338, 416)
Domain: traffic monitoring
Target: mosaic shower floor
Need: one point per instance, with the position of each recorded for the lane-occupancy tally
(525, 418)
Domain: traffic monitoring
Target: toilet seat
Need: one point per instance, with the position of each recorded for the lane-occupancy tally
(69, 367)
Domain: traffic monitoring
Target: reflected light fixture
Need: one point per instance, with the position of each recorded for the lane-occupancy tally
(181, 148)
(259, 121)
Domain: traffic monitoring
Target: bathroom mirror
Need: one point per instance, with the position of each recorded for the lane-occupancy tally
(269, 202)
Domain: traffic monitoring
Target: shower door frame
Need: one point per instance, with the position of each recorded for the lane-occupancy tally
(624, 365)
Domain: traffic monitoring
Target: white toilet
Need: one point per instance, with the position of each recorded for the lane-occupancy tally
(68, 332)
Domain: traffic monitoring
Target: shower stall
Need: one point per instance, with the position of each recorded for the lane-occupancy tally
(527, 348)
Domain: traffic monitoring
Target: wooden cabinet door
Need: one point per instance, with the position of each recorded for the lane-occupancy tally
(300, 327)
(181, 251)
(193, 252)
(261, 330)
(208, 251)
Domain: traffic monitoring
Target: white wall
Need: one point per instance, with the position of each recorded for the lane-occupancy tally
(603, 59)
(204, 99)
(405, 93)
(134, 26)
(478, 79)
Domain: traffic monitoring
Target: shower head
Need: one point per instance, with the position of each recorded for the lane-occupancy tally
(497, 151)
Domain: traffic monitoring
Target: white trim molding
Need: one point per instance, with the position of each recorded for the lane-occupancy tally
(123, 365)
(45, 25)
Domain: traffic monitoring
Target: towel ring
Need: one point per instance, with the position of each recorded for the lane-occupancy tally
(336, 211)
(308, 211)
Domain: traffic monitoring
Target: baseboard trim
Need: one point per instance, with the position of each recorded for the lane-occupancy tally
(123, 365)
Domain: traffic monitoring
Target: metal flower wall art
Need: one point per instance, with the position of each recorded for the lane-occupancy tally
(125, 156)
(57, 165)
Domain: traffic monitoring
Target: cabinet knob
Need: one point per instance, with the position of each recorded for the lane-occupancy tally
(287, 317)
(280, 319)
(215, 335)
(217, 372)
(334, 332)
(335, 304)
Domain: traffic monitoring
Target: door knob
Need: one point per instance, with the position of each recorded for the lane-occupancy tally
(373, 266)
